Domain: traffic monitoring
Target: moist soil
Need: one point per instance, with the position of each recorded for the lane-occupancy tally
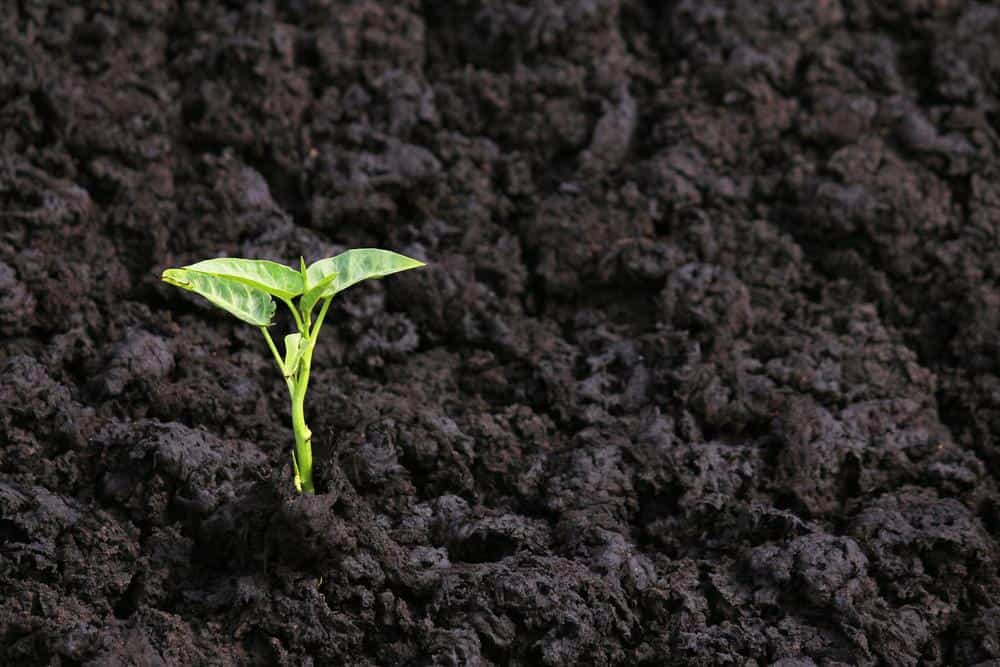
(703, 370)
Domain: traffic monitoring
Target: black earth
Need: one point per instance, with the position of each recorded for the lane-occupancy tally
(704, 370)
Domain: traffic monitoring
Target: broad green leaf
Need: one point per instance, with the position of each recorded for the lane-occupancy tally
(356, 265)
(293, 353)
(277, 279)
(248, 303)
(314, 294)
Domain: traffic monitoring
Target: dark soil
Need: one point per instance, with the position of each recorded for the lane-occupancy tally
(705, 369)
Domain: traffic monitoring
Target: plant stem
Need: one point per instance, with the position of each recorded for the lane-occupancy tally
(277, 357)
(295, 314)
(298, 384)
(319, 320)
(303, 436)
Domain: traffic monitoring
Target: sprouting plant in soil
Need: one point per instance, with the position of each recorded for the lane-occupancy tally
(246, 288)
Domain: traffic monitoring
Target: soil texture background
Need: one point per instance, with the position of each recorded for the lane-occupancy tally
(703, 371)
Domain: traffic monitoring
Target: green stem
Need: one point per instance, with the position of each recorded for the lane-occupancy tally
(298, 384)
(274, 350)
(295, 314)
(302, 460)
(302, 457)
(277, 357)
(319, 319)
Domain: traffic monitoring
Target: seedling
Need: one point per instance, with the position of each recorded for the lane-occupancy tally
(246, 288)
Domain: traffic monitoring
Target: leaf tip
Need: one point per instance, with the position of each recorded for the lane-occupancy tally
(176, 277)
(411, 263)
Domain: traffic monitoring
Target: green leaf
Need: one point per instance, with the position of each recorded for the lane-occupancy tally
(356, 265)
(277, 279)
(314, 294)
(248, 303)
(293, 353)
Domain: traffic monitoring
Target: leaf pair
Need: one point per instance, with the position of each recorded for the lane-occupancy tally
(245, 287)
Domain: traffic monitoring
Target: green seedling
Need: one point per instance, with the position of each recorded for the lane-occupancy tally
(246, 288)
